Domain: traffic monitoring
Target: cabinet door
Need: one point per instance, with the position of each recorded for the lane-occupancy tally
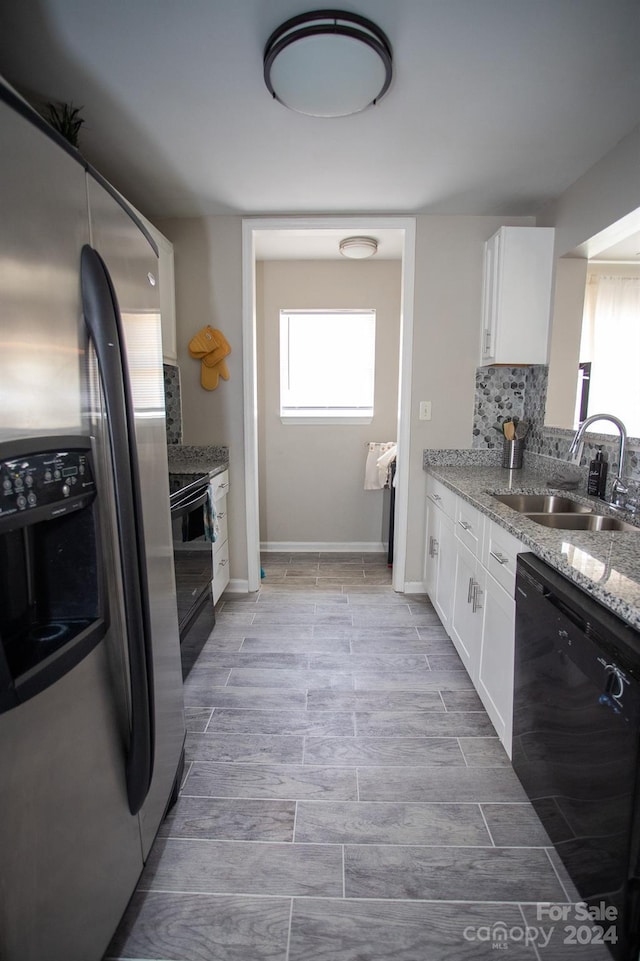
(489, 299)
(220, 569)
(220, 549)
(443, 596)
(466, 618)
(518, 272)
(439, 562)
(495, 671)
(431, 550)
(166, 274)
(167, 300)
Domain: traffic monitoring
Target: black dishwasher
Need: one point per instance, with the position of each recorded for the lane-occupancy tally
(575, 738)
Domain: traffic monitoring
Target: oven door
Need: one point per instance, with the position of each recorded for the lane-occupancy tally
(191, 552)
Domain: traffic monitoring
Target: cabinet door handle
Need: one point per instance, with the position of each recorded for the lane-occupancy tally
(436, 497)
(477, 593)
(500, 558)
(470, 591)
(223, 563)
(433, 547)
(487, 341)
(220, 514)
(465, 525)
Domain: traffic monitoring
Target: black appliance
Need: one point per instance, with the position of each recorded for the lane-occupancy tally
(392, 511)
(193, 564)
(575, 738)
(51, 592)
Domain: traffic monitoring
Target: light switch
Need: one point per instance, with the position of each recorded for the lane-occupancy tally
(425, 410)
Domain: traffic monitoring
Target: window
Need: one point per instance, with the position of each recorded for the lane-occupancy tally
(611, 343)
(327, 360)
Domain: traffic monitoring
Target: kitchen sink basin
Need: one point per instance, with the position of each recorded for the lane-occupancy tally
(543, 504)
(582, 522)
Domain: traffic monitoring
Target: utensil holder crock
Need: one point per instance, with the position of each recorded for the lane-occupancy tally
(512, 454)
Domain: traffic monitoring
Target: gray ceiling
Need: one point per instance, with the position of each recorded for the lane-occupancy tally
(496, 105)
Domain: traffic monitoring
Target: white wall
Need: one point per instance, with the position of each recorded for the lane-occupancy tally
(311, 477)
(208, 273)
(564, 353)
(446, 347)
(606, 193)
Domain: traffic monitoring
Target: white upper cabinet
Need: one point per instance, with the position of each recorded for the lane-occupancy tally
(167, 290)
(167, 296)
(516, 303)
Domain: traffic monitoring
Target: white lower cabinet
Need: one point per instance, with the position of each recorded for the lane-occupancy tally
(470, 568)
(440, 551)
(495, 665)
(220, 547)
(466, 619)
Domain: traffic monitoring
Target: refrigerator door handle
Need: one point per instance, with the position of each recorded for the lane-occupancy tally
(102, 318)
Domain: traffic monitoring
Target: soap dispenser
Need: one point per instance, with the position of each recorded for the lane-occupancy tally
(597, 475)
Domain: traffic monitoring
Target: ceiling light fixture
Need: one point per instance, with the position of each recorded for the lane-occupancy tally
(328, 63)
(358, 248)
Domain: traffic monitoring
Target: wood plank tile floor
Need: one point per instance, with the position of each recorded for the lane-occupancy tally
(345, 796)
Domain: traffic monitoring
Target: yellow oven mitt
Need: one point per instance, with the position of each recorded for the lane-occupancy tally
(211, 347)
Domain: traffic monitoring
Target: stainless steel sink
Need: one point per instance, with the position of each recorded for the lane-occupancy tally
(582, 522)
(543, 504)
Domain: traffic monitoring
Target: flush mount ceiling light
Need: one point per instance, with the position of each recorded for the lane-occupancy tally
(327, 63)
(358, 248)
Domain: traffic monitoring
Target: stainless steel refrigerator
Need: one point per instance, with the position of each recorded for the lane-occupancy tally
(91, 709)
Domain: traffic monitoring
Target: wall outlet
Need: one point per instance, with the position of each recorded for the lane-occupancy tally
(425, 410)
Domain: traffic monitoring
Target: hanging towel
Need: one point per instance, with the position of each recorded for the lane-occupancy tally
(374, 478)
(209, 518)
(384, 463)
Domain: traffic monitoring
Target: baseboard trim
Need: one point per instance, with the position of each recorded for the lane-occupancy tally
(237, 585)
(414, 587)
(338, 547)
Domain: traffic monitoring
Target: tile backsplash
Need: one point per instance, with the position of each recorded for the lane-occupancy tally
(521, 392)
(173, 404)
(509, 392)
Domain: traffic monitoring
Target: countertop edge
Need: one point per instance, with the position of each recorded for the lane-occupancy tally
(192, 459)
(547, 544)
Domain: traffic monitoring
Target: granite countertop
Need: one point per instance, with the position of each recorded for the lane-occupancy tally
(188, 462)
(606, 564)
(191, 459)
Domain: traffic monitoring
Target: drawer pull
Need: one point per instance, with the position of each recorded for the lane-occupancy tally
(500, 558)
(436, 497)
(477, 593)
(433, 547)
(220, 514)
(465, 525)
(223, 563)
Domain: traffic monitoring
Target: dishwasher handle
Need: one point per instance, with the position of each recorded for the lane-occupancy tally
(574, 616)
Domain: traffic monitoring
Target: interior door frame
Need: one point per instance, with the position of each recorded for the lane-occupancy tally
(250, 227)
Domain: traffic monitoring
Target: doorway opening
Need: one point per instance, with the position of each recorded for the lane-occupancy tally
(270, 238)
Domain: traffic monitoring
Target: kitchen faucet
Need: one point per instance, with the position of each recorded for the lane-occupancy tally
(618, 490)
